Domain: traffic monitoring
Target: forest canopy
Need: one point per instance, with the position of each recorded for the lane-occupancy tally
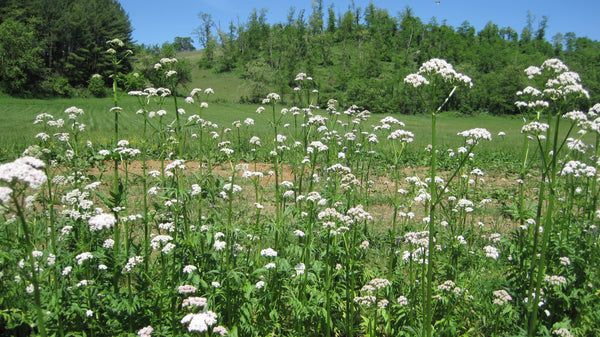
(52, 47)
(360, 56)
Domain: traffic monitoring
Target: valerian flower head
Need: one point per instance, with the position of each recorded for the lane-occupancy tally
(269, 252)
(532, 71)
(501, 297)
(474, 135)
(201, 321)
(416, 80)
(535, 128)
(402, 136)
(439, 67)
(555, 65)
(100, 221)
(25, 169)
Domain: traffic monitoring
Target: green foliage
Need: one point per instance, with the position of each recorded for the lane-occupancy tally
(44, 42)
(20, 57)
(96, 86)
(365, 52)
(133, 81)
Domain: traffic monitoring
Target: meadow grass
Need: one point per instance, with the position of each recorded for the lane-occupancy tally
(17, 115)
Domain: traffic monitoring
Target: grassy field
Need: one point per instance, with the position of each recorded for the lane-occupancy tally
(17, 115)
(323, 230)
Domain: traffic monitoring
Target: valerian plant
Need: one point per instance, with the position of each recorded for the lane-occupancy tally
(322, 240)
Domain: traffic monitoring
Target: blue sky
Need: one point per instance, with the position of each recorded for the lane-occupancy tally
(155, 22)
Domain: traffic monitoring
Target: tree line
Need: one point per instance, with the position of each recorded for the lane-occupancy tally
(360, 56)
(54, 47)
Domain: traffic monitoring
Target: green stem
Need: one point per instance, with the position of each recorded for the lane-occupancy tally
(34, 272)
(431, 249)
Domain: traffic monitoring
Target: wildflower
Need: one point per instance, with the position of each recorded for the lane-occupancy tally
(145, 332)
(383, 304)
(501, 297)
(260, 284)
(132, 262)
(25, 169)
(364, 245)
(554, 64)
(555, 280)
(535, 127)
(562, 332)
(300, 268)
(201, 321)
(416, 80)
(67, 270)
(220, 330)
(101, 221)
(491, 252)
(186, 289)
(194, 302)
(89, 313)
(365, 301)
(380, 283)
(402, 300)
(476, 134)
(234, 188)
(446, 286)
(273, 96)
(270, 265)
(215, 284)
(84, 283)
(402, 136)
(533, 71)
(189, 269)
(82, 257)
(219, 245)
(299, 233)
(269, 252)
(5, 193)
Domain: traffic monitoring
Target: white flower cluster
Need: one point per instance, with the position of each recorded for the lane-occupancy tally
(194, 302)
(162, 241)
(562, 83)
(578, 169)
(365, 301)
(186, 289)
(416, 80)
(25, 169)
(132, 262)
(83, 257)
(101, 221)
(474, 135)
(5, 193)
(201, 321)
(501, 297)
(441, 68)
(491, 252)
(269, 252)
(535, 128)
(146, 331)
(402, 136)
(555, 280)
(562, 332)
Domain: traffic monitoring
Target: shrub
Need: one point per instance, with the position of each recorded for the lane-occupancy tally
(96, 86)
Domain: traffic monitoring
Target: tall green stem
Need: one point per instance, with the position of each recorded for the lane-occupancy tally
(431, 250)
